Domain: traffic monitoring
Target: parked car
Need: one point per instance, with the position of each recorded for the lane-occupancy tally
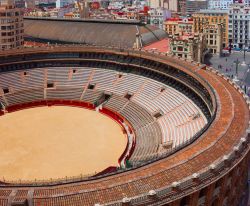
(225, 51)
(237, 49)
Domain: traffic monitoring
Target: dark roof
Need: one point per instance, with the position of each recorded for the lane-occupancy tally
(93, 32)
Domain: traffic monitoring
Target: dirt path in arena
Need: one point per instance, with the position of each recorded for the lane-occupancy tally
(58, 141)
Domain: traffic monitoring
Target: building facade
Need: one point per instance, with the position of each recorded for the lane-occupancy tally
(20, 3)
(11, 24)
(214, 38)
(167, 4)
(62, 3)
(193, 6)
(239, 25)
(204, 18)
(158, 16)
(182, 7)
(191, 47)
(179, 25)
(219, 4)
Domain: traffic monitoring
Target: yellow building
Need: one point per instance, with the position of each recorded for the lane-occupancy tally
(204, 18)
(179, 25)
(214, 38)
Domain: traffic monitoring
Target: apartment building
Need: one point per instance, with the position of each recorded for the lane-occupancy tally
(204, 18)
(179, 25)
(239, 25)
(11, 24)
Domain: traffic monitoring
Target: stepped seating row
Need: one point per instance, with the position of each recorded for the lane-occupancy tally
(64, 93)
(116, 103)
(59, 75)
(19, 80)
(136, 116)
(24, 96)
(148, 139)
(91, 96)
(72, 77)
(127, 83)
(104, 79)
(164, 101)
(182, 124)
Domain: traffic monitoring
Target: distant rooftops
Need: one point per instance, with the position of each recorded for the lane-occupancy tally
(160, 46)
(136, 22)
(180, 19)
(6, 2)
(213, 11)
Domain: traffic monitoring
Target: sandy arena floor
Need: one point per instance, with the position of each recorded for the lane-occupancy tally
(54, 142)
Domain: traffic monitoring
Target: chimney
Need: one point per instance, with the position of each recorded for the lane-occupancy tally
(137, 41)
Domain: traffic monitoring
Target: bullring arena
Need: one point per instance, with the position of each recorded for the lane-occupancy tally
(40, 143)
(174, 132)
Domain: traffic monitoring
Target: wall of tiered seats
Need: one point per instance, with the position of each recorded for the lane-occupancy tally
(174, 126)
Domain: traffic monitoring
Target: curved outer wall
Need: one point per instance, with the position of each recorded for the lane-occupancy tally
(210, 171)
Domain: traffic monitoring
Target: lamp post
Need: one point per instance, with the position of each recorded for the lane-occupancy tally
(140, 57)
(237, 62)
(244, 56)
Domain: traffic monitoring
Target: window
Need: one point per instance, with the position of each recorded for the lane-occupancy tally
(50, 85)
(162, 89)
(157, 115)
(202, 192)
(6, 90)
(91, 86)
(180, 48)
(128, 96)
(184, 201)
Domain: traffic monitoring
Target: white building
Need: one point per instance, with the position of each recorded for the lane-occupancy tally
(246, 2)
(219, 4)
(239, 25)
(62, 3)
(193, 6)
(158, 16)
(166, 4)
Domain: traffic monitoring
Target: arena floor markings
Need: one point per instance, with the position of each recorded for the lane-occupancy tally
(57, 141)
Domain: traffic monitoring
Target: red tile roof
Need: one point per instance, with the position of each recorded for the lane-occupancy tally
(160, 46)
